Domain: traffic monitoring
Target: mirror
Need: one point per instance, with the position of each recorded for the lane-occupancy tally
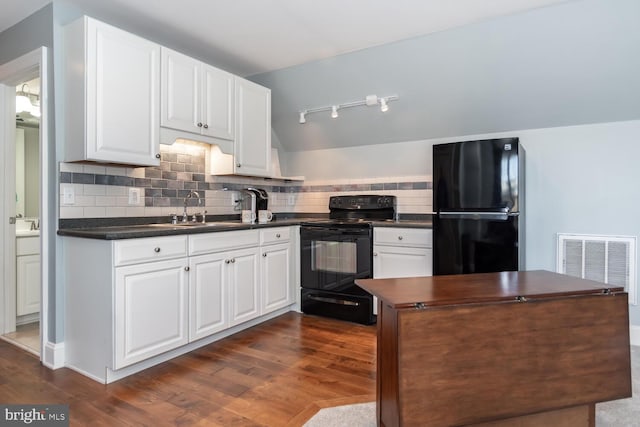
(28, 149)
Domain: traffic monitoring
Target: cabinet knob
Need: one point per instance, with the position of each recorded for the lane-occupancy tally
(264, 255)
(187, 268)
(278, 236)
(156, 250)
(199, 125)
(375, 254)
(227, 261)
(206, 126)
(399, 237)
(238, 165)
(158, 156)
(233, 260)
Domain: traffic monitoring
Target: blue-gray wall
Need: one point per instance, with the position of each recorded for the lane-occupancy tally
(567, 64)
(32, 33)
(579, 179)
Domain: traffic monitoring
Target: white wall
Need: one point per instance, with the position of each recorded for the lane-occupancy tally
(579, 179)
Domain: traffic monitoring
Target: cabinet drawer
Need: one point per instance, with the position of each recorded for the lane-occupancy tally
(27, 246)
(215, 242)
(274, 235)
(134, 251)
(415, 237)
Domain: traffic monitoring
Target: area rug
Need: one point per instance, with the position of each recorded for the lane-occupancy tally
(618, 413)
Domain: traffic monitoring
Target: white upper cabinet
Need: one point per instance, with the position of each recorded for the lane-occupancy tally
(196, 97)
(112, 95)
(252, 148)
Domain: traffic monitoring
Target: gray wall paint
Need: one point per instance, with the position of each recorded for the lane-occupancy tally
(579, 179)
(29, 34)
(32, 33)
(572, 63)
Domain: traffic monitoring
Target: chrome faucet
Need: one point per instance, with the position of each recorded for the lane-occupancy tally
(191, 194)
(35, 224)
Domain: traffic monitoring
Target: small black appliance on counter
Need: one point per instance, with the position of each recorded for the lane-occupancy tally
(261, 197)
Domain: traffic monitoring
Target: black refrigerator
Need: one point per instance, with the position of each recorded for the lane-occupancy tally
(478, 205)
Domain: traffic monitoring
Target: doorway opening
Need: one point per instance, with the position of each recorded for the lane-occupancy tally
(27, 217)
(25, 211)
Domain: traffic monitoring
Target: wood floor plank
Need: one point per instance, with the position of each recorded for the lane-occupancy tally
(278, 373)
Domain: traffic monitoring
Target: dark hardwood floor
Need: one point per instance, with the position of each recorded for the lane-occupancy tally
(278, 373)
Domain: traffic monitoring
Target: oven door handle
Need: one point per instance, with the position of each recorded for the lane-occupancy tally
(327, 232)
(334, 300)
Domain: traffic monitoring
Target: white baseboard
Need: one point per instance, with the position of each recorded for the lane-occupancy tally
(53, 355)
(634, 335)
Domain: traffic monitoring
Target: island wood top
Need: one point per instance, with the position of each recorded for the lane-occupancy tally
(479, 288)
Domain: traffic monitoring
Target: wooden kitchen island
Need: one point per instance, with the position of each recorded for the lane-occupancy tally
(499, 349)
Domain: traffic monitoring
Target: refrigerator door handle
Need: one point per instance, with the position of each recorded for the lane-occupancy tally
(500, 216)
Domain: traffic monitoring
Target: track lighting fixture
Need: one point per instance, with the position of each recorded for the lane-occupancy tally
(369, 101)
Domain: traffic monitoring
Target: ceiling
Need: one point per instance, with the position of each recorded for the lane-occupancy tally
(248, 37)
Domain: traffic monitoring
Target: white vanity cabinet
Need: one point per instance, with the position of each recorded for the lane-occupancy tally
(196, 97)
(112, 95)
(275, 268)
(27, 275)
(402, 252)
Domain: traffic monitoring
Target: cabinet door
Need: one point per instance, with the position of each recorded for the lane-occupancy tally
(208, 295)
(150, 310)
(243, 285)
(397, 261)
(181, 92)
(122, 96)
(218, 103)
(253, 129)
(275, 275)
(28, 283)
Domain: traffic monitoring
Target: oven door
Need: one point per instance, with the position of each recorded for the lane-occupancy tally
(331, 258)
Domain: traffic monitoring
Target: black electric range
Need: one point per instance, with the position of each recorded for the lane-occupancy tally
(336, 252)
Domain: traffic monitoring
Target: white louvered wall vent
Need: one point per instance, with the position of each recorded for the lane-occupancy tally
(608, 259)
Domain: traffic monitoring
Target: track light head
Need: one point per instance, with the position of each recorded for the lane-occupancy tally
(303, 118)
(334, 112)
(383, 105)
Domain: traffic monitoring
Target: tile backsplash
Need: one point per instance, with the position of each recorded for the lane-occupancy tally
(95, 191)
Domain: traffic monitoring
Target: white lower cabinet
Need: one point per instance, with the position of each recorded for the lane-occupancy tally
(275, 267)
(244, 285)
(208, 295)
(150, 310)
(402, 252)
(276, 270)
(128, 301)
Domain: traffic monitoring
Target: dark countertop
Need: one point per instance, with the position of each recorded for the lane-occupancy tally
(118, 232)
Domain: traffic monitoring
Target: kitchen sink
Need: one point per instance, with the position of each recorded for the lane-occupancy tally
(195, 224)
